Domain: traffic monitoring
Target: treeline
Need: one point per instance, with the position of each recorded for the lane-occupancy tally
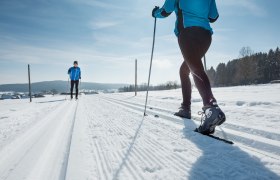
(251, 68)
(143, 87)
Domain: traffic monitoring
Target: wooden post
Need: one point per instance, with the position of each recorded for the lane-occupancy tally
(29, 82)
(135, 77)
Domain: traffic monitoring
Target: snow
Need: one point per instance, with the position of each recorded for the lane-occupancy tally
(105, 136)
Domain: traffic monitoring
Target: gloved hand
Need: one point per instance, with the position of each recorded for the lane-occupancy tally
(154, 10)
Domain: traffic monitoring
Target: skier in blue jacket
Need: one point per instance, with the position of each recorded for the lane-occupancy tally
(75, 75)
(194, 35)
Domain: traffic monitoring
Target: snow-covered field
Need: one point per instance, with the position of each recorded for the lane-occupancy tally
(105, 136)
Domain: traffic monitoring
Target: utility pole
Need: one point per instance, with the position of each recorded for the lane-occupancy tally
(135, 77)
(29, 83)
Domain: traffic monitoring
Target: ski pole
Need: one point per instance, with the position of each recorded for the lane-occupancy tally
(155, 24)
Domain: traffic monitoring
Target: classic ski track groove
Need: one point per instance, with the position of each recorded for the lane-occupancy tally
(155, 109)
(274, 135)
(33, 136)
(12, 136)
(148, 154)
(236, 136)
(67, 155)
(27, 149)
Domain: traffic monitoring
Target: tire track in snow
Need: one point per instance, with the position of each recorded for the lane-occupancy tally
(270, 147)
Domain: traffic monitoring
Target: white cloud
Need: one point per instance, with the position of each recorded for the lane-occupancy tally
(40, 55)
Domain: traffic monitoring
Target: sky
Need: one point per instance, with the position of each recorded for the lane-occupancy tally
(106, 36)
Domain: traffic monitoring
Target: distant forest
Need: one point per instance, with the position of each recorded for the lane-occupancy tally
(167, 86)
(250, 68)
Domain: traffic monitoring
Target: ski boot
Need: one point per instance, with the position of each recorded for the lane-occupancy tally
(184, 112)
(212, 116)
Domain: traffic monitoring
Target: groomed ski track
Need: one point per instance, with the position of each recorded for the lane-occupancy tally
(41, 151)
(244, 136)
(107, 137)
(123, 145)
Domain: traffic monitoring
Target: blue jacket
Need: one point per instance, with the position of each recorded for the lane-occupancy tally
(192, 12)
(74, 73)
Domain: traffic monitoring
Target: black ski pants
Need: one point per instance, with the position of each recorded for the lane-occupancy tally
(194, 43)
(76, 83)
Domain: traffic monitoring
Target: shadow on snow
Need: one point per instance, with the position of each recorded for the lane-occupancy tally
(223, 161)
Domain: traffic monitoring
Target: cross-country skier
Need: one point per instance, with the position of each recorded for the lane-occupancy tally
(194, 38)
(75, 75)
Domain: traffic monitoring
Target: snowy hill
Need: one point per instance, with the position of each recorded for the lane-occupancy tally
(105, 136)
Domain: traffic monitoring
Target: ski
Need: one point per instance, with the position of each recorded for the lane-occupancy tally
(216, 137)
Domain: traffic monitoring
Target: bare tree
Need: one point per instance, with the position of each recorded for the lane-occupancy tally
(245, 51)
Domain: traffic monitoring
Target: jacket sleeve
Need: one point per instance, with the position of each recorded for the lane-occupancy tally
(80, 74)
(69, 70)
(166, 10)
(213, 12)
